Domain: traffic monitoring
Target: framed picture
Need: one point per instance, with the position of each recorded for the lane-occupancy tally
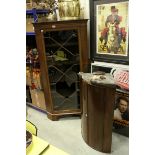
(109, 30)
(121, 113)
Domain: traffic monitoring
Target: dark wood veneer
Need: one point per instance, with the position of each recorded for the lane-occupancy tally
(44, 26)
(98, 102)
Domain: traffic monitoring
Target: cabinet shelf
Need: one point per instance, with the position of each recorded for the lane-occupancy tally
(37, 11)
(30, 33)
(68, 44)
(122, 91)
(61, 63)
(57, 75)
(34, 17)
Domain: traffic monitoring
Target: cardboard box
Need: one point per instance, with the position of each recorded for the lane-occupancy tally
(29, 25)
(38, 98)
(28, 79)
(35, 78)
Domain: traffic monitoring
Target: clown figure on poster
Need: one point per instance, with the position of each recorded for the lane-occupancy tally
(112, 29)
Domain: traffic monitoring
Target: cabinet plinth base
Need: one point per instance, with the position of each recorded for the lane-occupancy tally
(53, 117)
(56, 117)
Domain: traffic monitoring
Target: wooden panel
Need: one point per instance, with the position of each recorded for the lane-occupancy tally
(59, 25)
(44, 70)
(83, 49)
(98, 103)
(84, 125)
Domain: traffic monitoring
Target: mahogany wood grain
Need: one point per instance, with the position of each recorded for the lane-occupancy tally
(97, 124)
(43, 26)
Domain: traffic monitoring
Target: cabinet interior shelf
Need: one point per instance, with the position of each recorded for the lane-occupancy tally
(61, 63)
(68, 44)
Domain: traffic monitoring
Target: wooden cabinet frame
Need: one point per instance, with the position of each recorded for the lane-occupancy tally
(44, 26)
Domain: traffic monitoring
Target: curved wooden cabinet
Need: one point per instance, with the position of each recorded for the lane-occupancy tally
(98, 102)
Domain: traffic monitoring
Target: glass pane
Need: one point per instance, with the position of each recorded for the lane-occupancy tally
(62, 53)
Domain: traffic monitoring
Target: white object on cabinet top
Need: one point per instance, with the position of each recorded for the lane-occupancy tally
(111, 65)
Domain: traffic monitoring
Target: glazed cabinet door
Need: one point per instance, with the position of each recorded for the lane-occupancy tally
(63, 64)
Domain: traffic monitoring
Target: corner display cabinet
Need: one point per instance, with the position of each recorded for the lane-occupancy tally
(63, 52)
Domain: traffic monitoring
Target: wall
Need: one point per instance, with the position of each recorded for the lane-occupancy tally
(85, 7)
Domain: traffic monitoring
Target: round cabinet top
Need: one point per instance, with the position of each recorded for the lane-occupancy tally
(98, 78)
